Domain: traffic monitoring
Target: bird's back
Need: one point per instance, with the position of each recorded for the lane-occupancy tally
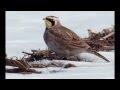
(64, 39)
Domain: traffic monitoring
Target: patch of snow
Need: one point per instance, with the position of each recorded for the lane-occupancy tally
(84, 70)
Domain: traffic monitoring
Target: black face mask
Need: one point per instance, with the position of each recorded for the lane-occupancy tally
(53, 22)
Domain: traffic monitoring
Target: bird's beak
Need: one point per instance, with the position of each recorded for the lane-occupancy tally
(44, 18)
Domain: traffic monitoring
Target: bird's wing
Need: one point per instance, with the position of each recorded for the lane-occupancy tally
(69, 37)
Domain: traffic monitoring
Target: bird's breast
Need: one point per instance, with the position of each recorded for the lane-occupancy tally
(50, 40)
(48, 37)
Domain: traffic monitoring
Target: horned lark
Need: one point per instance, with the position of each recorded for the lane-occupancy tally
(63, 41)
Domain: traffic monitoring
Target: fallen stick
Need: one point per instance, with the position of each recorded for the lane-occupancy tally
(27, 53)
(22, 65)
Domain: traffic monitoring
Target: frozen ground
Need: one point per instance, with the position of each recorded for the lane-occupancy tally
(98, 69)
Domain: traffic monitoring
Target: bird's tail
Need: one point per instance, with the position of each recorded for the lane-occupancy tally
(99, 55)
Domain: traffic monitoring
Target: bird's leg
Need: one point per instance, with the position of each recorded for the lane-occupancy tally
(64, 58)
(75, 58)
(79, 58)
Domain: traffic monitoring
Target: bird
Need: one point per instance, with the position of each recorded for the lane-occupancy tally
(63, 41)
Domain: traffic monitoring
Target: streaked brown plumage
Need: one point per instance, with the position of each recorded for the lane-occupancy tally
(63, 41)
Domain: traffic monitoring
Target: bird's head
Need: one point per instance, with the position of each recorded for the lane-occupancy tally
(51, 21)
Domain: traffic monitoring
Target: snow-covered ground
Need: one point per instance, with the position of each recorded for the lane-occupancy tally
(97, 69)
(24, 31)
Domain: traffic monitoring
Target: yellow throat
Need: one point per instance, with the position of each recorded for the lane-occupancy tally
(48, 24)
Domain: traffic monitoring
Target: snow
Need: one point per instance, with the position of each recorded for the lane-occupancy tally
(98, 69)
(24, 31)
